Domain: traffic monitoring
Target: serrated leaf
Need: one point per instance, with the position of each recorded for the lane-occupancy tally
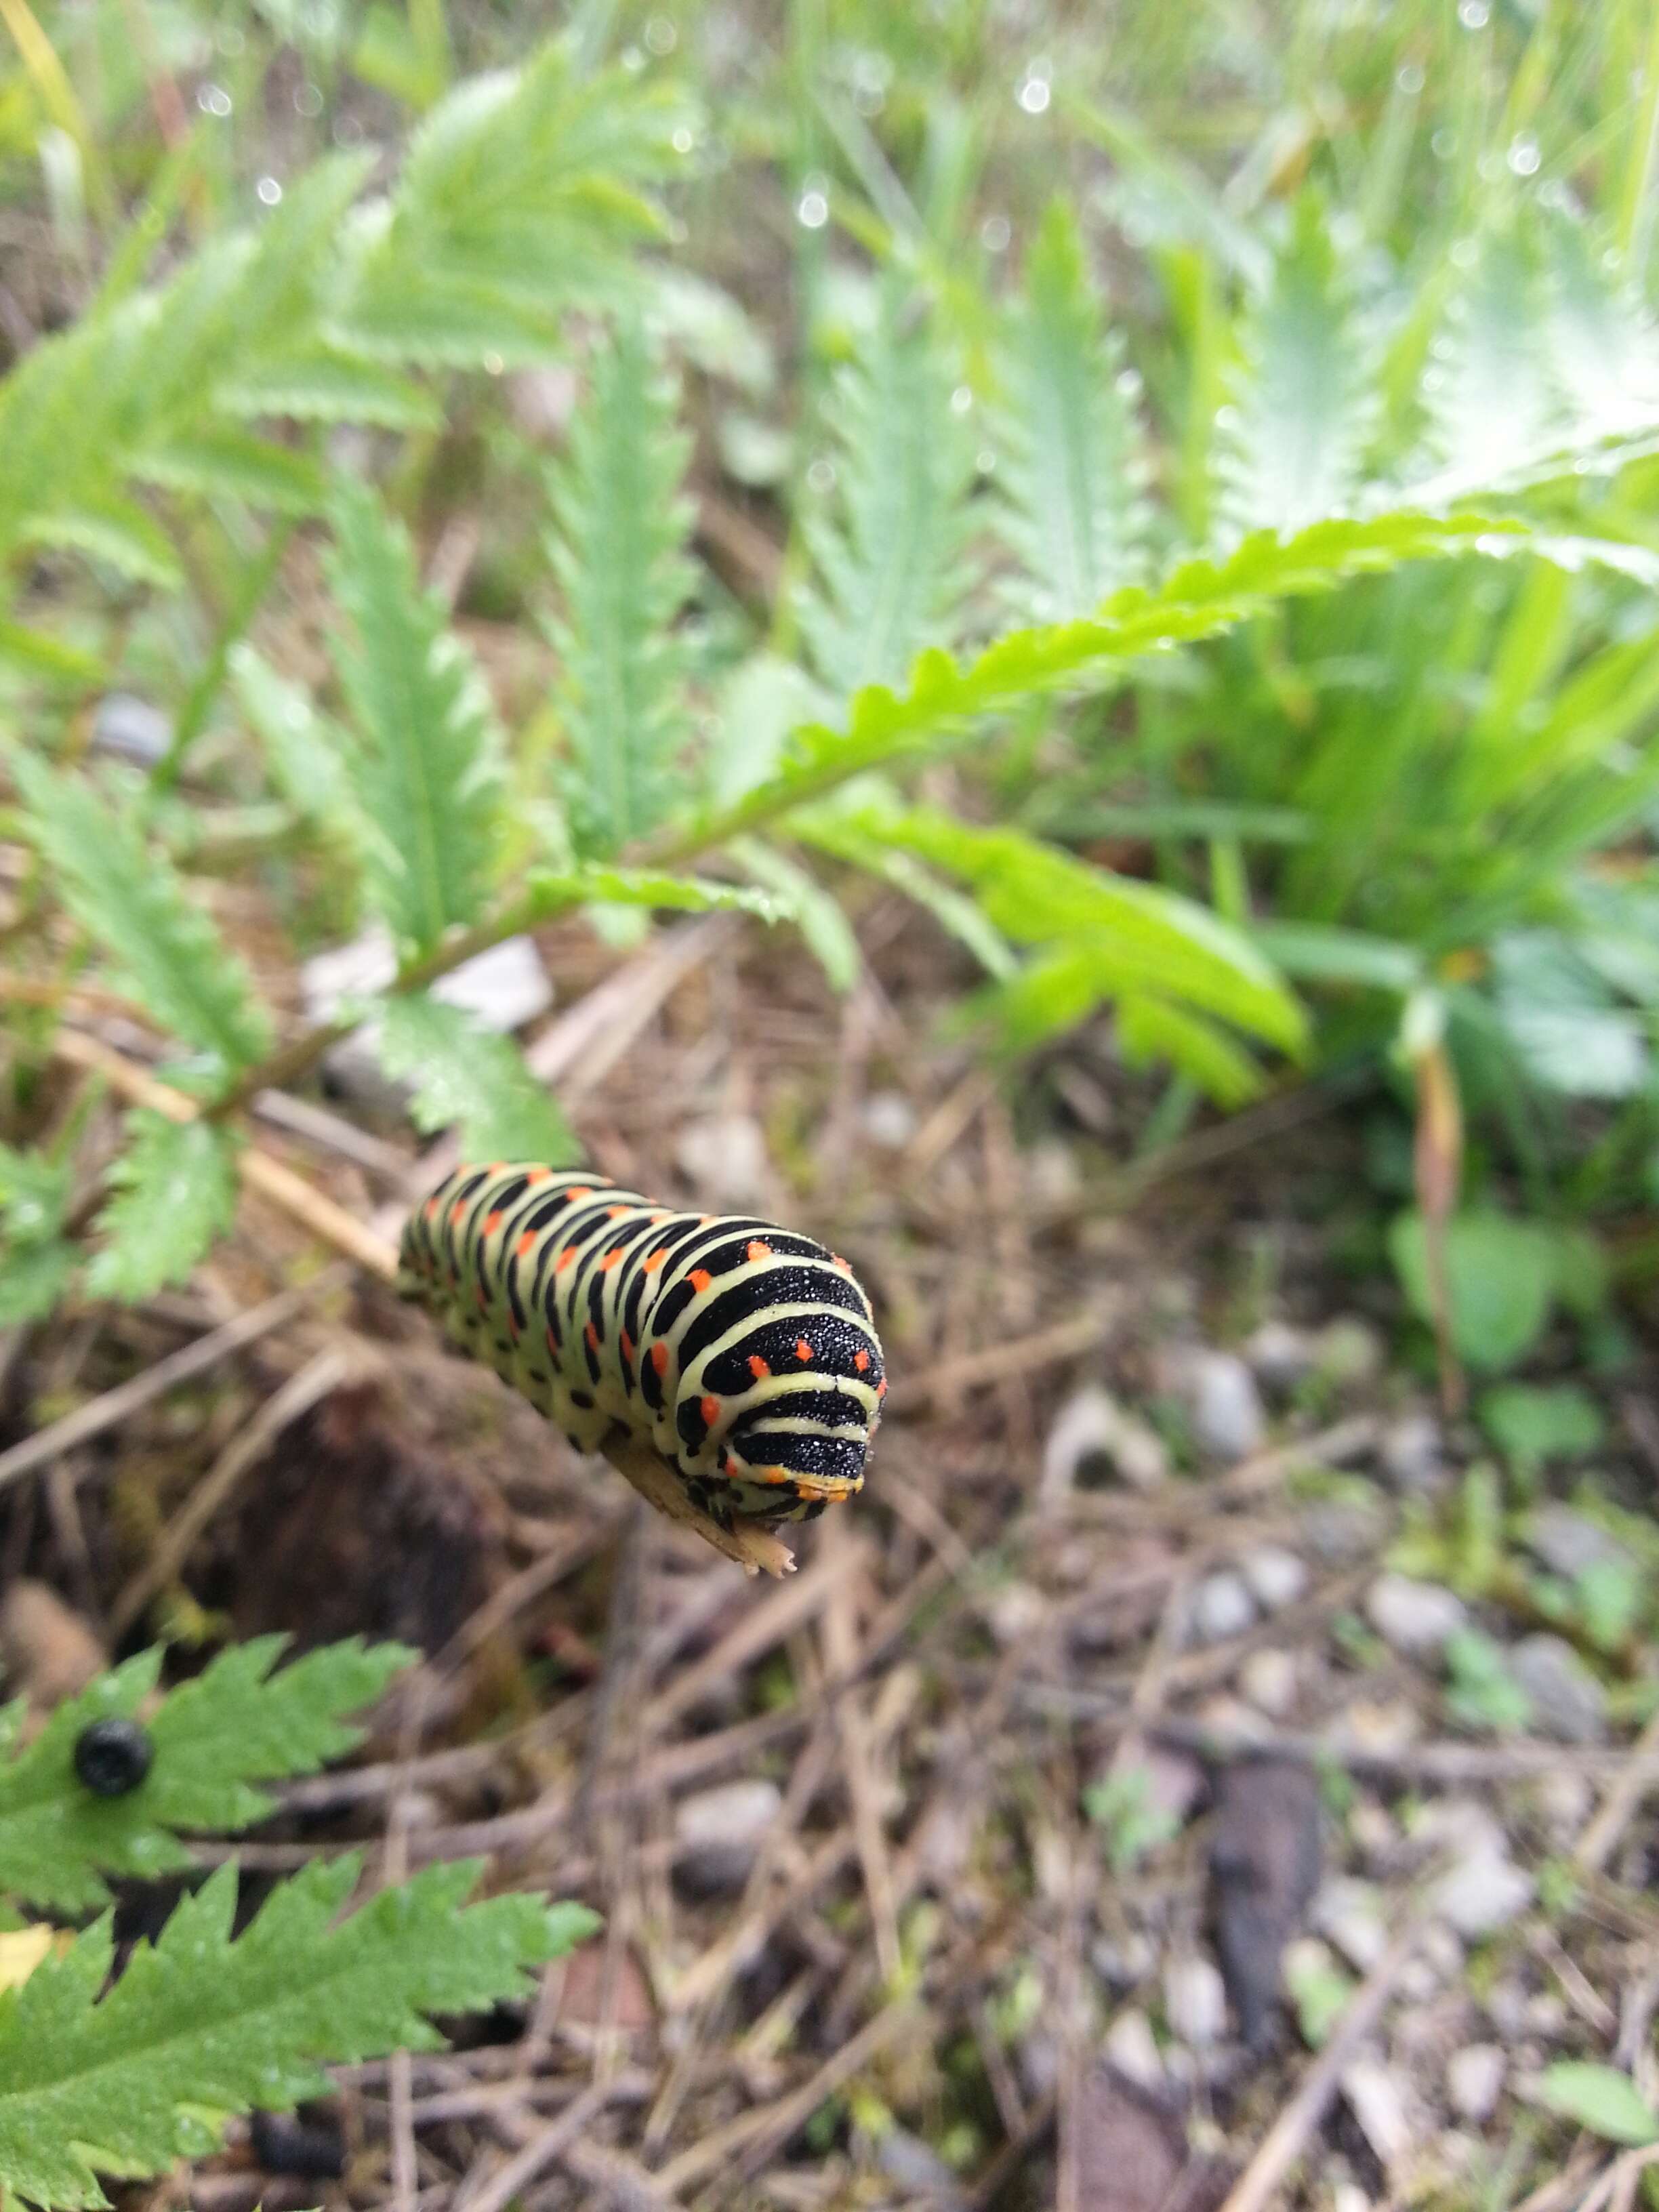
(1151, 1030)
(33, 1280)
(223, 462)
(889, 544)
(554, 890)
(522, 190)
(1601, 2099)
(618, 549)
(236, 1724)
(305, 751)
(162, 948)
(759, 704)
(175, 1193)
(320, 384)
(1198, 599)
(117, 531)
(425, 765)
(1491, 401)
(201, 2021)
(1130, 937)
(1289, 444)
(1070, 506)
(470, 1078)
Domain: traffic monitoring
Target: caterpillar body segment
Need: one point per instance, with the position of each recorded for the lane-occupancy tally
(744, 1354)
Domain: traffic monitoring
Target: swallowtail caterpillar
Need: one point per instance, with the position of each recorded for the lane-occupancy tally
(743, 1356)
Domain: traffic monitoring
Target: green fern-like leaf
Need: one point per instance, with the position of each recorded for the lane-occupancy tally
(37, 1260)
(618, 551)
(1151, 1030)
(318, 383)
(81, 411)
(162, 948)
(470, 1078)
(90, 2080)
(1289, 444)
(237, 1724)
(1130, 937)
(888, 546)
(522, 192)
(223, 461)
(1070, 506)
(1488, 390)
(1201, 598)
(176, 1192)
(425, 763)
(305, 752)
(555, 891)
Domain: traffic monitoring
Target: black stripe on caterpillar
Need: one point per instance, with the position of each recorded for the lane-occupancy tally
(746, 1355)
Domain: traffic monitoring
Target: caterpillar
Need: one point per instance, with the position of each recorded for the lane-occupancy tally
(746, 1355)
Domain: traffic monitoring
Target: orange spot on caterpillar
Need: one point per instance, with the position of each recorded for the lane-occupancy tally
(704, 1220)
(612, 1258)
(458, 1209)
(660, 1358)
(657, 1220)
(538, 1174)
(580, 1190)
(615, 1212)
(836, 1260)
(431, 1207)
(803, 1349)
(710, 1410)
(513, 1328)
(758, 1367)
(552, 1340)
(860, 1360)
(492, 1221)
(484, 1299)
(627, 1346)
(525, 1243)
(654, 1260)
(566, 1259)
(591, 1337)
(758, 1251)
(700, 1279)
(881, 1388)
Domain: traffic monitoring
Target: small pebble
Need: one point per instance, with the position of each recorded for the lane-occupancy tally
(1122, 1962)
(1563, 1802)
(1481, 1894)
(1568, 1702)
(1353, 1915)
(1339, 1532)
(1016, 1611)
(889, 1120)
(1279, 1356)
(1220, 1606)
(1349, 2197)
(1570, 1544)
(916, 2169)
(1413, 1454)
(1132, 2049)
(1418, 1619)
(724, 1156)
(1196, 2001)
(1268, 1679)
(1374, 2098)
(131, 729)
(1224, 1404)
(719, 1834)
(1348, 1351)
(1093, 1435)
(1276, 1577)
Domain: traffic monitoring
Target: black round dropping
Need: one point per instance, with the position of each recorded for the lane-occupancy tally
(112, 1757)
